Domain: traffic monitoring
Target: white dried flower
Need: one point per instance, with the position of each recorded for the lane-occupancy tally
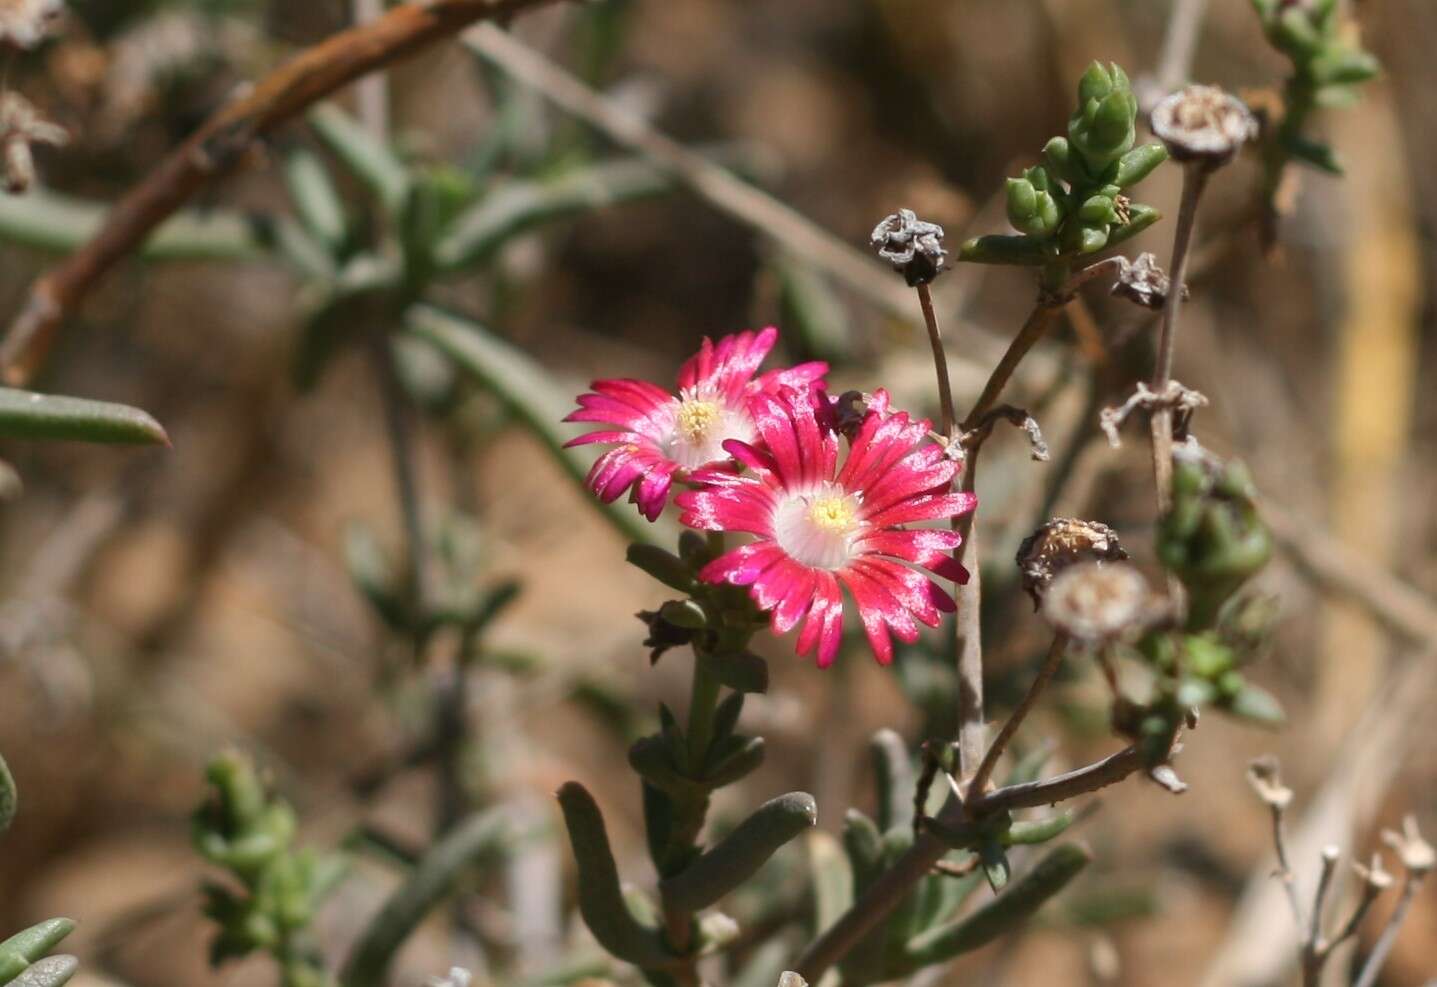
(21, 125)
(1415, 853)
(1264, 775)
(1373, 875)
(457, 977)
(1096, 602)
(25, 23)
(1203, 123)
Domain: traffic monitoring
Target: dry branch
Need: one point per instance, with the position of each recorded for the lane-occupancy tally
(222, 142)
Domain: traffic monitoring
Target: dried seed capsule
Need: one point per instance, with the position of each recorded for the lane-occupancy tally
(1061, 543)
(1203, 124)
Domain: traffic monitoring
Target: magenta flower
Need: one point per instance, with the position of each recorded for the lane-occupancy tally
(660, 436)
(818, 525)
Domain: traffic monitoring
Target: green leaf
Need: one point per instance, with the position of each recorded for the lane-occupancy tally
(1256, 704)
(1140, 217)
(27, 415)
(893, 778)
(1004, 914)
(57, 223)
(518, 206)
(315, 199)
(433, 877)
(368, 159)
(740, 854)
(532, 395)
(601, 899)
(9, 796)
(1315, 153)
(25, 948)
(1139, 163)
(52, 971)
(995, 249)
(832, 880)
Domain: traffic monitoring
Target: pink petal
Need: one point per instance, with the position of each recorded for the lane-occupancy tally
(743, 565)
(729, 366)
(879, 610)
(929, 507)
(823, 629)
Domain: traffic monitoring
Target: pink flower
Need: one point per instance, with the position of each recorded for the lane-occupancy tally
(660, 435)
(818, 525)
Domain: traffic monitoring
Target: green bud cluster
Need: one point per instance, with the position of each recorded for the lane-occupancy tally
(1074, 202)
(1327, 71)
(276, 889)
(1213, 539)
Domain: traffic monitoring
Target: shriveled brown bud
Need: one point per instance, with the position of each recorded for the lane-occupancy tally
(1095, 602)
(1061, 543)
(1265, 776)
(914, 247)
(1203, 124)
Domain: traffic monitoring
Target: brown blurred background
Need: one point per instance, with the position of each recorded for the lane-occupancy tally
(159, 605)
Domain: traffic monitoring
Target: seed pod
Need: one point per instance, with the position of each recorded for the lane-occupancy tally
(1203, 124)
(1060, 543)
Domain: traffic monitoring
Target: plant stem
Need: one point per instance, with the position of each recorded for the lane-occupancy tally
(1195, 178)
(940, 361)
(889, 890)
(1005, 735)
(1377, 959)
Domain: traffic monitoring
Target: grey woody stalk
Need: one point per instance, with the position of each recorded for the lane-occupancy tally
(1203, 128)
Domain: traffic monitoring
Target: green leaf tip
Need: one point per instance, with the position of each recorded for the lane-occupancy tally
(601, 898)
(740, 854)
(28, 415)
(1003, 914)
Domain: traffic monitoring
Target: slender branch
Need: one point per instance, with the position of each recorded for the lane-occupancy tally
(1195, 178)
(940, 361)
(1033, 330)
(1284, 867)
(1377, 959)
(1015, 720)
(1314, 947)
(222, 142)
(889, 890)
(1030, 795)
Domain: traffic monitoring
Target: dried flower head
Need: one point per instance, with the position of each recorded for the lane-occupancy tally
(1373, 876)
(912, 246)
(21, 125)
(457, 977)
(1143, 282)
(1265, 777)
(1203, 124)
(1061, 543)
(1096, 602)
(25, 23)
(1415, 853)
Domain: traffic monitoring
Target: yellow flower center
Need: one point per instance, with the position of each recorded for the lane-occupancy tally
(696, 417)
(833, 514)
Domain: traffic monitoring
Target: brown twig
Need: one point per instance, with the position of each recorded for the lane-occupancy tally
(1195, 178)
(222, 142)
(1016, 718)
(885, 894)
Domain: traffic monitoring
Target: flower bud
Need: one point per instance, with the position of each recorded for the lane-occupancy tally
(1104, 127)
